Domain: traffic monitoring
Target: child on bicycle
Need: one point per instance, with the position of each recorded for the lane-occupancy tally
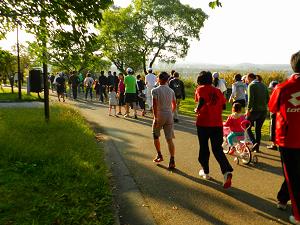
(234, 123)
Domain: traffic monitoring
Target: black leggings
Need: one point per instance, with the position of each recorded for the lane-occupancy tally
(215, 134)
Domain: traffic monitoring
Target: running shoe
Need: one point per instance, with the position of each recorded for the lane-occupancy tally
(227, 180)
(171, 164)
(126, 115)
(135, 116)
(204, 175)
(281, 205)
(294, 221)
(159, 158)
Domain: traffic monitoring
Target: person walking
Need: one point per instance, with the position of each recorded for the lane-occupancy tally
(239, 90)
(103, 84)
(178, 87)
(88, 83)
(210, 103)
(219, 83)
(60, 83)
(130, 92)
(285, 102)
(74, 82)
(164, 104)
(256, 113)
(121, 92)
(150, 81)
(112, 101)
(272, 126)
(141, 94)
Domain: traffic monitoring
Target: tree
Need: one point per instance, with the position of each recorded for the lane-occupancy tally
(120, 35)
(149, 30)
(7, 64)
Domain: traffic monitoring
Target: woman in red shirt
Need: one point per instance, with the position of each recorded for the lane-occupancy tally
(210, 126)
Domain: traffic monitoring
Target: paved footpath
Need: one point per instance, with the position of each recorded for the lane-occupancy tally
(181, 197)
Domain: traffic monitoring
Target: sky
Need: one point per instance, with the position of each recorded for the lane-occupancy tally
(244, 31)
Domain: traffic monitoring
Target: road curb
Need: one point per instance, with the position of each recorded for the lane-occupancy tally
(131, 206)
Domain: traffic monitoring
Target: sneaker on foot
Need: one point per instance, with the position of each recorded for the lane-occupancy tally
(281, 205)
(126, 115)
(294, 221)
(135, 116)
(171, 164)
(116, 115)
(204, 175)
(232, 150)
(255, 147)
(119, 113)
(272, 147)
(159, 158)
(227, 180)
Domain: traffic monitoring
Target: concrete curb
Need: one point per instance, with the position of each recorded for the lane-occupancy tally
(131, 206)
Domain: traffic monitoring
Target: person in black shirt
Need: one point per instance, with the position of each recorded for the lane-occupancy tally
(178, 87)
(103, 84)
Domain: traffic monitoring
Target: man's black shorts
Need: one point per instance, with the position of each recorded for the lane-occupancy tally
(130, 97)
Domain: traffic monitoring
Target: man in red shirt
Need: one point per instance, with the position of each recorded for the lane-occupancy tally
(285, 102)
(209, 124)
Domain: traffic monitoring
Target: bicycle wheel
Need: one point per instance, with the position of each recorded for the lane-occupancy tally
(225, 145)
(245, 155)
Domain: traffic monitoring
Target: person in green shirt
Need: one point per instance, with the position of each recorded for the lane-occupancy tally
(130, 92)
(258, 98)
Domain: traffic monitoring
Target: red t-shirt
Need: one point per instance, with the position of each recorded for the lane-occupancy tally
(210, 114)
(285, 102)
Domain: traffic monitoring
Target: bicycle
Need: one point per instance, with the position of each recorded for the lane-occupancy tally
(241, 150)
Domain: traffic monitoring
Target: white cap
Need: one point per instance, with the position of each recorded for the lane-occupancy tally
(149, 69)
(129, 70)
(215, 75)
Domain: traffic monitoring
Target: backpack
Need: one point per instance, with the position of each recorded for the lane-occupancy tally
(176, 86)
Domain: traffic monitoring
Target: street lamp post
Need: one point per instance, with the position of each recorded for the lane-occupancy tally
(19, 69)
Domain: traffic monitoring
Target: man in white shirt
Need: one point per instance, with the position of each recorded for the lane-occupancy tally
(150, 81)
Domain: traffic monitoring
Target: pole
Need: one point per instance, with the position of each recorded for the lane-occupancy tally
(45, 68)
(19, 69)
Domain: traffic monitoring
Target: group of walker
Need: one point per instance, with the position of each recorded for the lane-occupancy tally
(284, 103)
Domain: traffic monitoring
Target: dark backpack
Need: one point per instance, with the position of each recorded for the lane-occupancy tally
(176, 87)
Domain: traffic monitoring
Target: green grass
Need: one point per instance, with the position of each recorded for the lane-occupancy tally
(188, 105)
(51, 173)
(6, 95)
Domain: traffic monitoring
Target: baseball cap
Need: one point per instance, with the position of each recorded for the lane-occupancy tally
(129, 70)
(149, 69)
(215, 75)
(273, 83)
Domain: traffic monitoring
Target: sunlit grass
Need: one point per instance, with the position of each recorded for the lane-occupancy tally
(51, 173)
(7, 95)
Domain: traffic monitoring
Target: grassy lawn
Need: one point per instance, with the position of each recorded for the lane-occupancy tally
(187, 108)
(51, 173)
(6, 95)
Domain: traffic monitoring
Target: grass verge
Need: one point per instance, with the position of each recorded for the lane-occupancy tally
(6, 95)
(51, 173)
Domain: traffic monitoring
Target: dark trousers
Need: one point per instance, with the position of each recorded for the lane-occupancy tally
(215, 134)
(141, 103)
(89, 90)
(257, 119)
(272, 126)
(290, 189)
(102, 92)
(74, 92)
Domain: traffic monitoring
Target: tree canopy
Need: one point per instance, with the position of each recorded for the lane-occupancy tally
(149, 30)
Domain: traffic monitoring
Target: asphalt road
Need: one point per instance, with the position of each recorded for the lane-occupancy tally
(182, 197)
